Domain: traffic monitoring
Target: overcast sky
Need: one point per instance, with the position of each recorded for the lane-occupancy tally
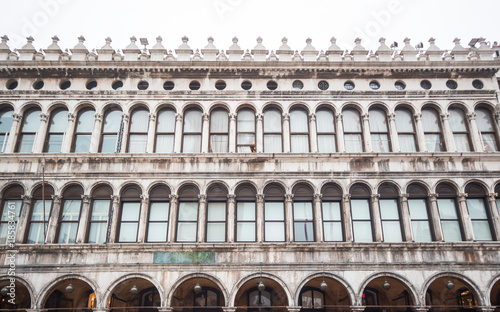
(248, 19)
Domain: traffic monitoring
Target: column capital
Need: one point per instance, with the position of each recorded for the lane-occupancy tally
(286, 117)
(404, 197)
(462, 197)
(233, 116)
(366, 117)
(433, 197)
(27, 198)
(288, 197)
(43, 117)
(144, 198)
(339, 116)
(497, 116)
(492, 197)
(71, 117)
(445, 116)
(205, 116)
(98, 117)
(260, 198)
(125, 116)
(231, 198)
(115, 198)
(17, 117)
(418, 116)
(152, 117)
(202, 198)
(173, 198)
(312, 117)
(471, 116)
(56, 199)
(259, 116)
(317, 197)
(391, 117)
(374, 197)
(86, 199)
(346, 197)
(178, 117)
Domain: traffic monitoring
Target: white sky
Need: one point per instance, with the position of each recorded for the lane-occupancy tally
(248, 19)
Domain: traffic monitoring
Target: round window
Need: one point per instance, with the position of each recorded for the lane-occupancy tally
(374, 85)
(297, 85)
(323, 85)
(168, 85)
(117, 85)
(220, 85)
(272, 85)
(143, 85)
(400, 85)
(12, 84)
(478, 84)
(194, 85)
(91, 85)
(425, 84)
(65, 85)
(246, 85)
(451, 84)
(349, 85)
(38, 85)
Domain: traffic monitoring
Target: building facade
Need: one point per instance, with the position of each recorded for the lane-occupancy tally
(250, 180)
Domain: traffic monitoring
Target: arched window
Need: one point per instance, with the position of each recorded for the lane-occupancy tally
(29, 128)
(99, 214)
(486, 127)
(312, 299)
(303, 216)
(379, 132)
(216, 213)
(478, 212)
(353, 133)
(38, 225)
(432, 130)
(448, 213)
(459, 127)
(332, 213)
(245, 141)
(138, 136)
(70, 214)
(165, 131)
(187, 215)
(389, 213)
(219, 131)
(83, 132)
(419, 213)
(5, 125)
(159, 210)
(110, 142)
(260, 299)
(57, 127)
(11, 208)
(406, 130)
(299, 131)
(274, 213)
(325, 128)
(129, 214)
(245, 214)
(273, 141)
(361, 213)
(206, 298)
(192, 131)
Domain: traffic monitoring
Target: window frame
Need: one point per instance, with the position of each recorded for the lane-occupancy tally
(187, 199)
(214, 198)
(96, 196)
(153, 198)
(303, 199)
(378, 133)
(23, 133)
(270, 133)
(366, 197)
(240, 198)
(326, 133)
(332, 198)
(76, 133)
(465, 132)
(144, 134)
(406, 133)
(217, 133)
(50, 133)
(442, 141)
(65, 198)
(192, 133)
(125, 198)
(457, 210)
(489, 218)
(424, 197)
(8, 195)
(298, 133)
(493, 132)
(118, 139)
(275, 199)
(5, 135)
(158, 133)
(252, 147)
(387, 196)
(37, 197)
(352, 133)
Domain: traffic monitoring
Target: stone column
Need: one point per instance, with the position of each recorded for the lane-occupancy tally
(318, 218)
(340, 133)
(53, 219)
(377, 222)
(406, 218)
(346, 200)
(260, 217)
(96, 133)
(40, 134)
(125, 133)
(366, 133)
(259, 135)
(289, 235)
(143, 219)
(495, 217)
(178, 134)
(436, 221)
(313, 132)
(205, 135)
(422, 146)
(202, 218)
(474, 133)
(68, 135)
(150, 145)
(232, 133)
(464, 217)
(84, 220)
(448, 134)
(393, 131)
(113, 220)
(286, 133)
(172, 222)
(14, 132)
(22, 224)
(231, 214)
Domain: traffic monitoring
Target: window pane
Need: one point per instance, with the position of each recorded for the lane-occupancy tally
(246, 138)
(389, 209)
(31, 121)
(59, 122)
(490, 144)
(418, 209)
(38, 210)
(216, 212)
(380, 143)
(166, 121)
(353, 143)
(97, 233)
(216, 232)
(71, 210)
(274, 231)
(6, 120)
(300, 143)
(304, 231)
(246, 120)
(351, 120)
(331, 211)
(457, 120)
(14, 206)
(302, 211)
(192, 121)
(26, 144)
(481, 230)
(407, 143)
(447, 208)
(272, 143)
(298, 121)
(100, 210)
(433, 142)
(404, 120)
(326, 143)
(218, 143)
(362, 231)
(461, 142)
(165, 143)
(272, 120)
(55, 143)
(318, 300)
(108, 143)
(219, 121)
(245, 231)
(421, 231)
(159, 211)
(274, 211)
(157, 232)
(130, 211)
(307, 299)
(476, 208)
(483, 120)
(333, 231)
(430, 120)
(67, 233)
(192, 143)
(128, 232)
(139, 121)
(113, 121)
(392, 231)
(360, 209)
(82, 143)
(186, 232)
(86, 121)
(188, 211)
(137, 143)
(378, 122)
(35, 235)
(451, 231)
(245, 211)
(325, 121)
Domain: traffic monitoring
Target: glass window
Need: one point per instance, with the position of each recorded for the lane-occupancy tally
(216, 214)
(29, 128)
(272, 131)
(299, 131)
(138, 136)
(274, 214)
(476, 205)
(187, 216)
(379, 132)
(303, 221)
(391, 225)
(165, 131)
(486, 127)
(332, 213)
(448, 213)
(419, 214)
(83, 132)
(129, 214)
(192, 131)
(110, 131)
(159, 210)
(459, 127)
(406, 130)
(245, 126)
(219, 131)
(260, 299)
(325, 127)
(70, 214)
(432, 130)
(57, 127)
(245, 214)
(5, 125)
(361, 214)
(312, 299)
(353, 133)
(207, 297)
(100, 209)
(38, 225)
(10, 210)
